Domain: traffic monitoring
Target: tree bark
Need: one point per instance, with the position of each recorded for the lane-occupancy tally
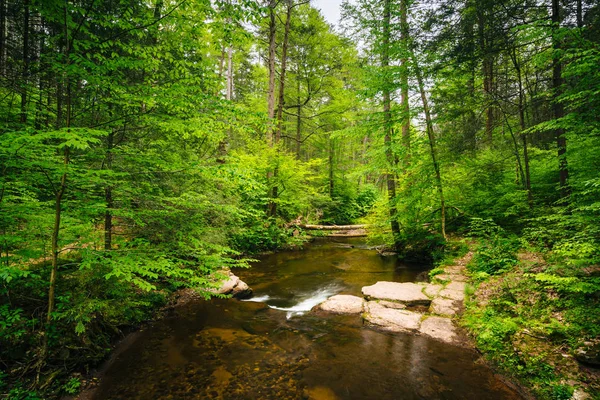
(25, 72)
(271, 206)
(488, 72)
(3, 50)
(431, 137)
(387, 124)
(59, 194)
(557, 107)
(271, 62)
(404, 38)
(298, 120)
(522, 126)
(108, 220)
(284, 49)
(331, 175)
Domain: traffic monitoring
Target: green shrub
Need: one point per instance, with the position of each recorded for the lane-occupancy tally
(495, 255)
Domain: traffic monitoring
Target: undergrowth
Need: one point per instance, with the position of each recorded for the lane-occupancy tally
(531, 314)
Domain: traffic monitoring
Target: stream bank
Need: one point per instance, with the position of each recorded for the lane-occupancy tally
(272, 347)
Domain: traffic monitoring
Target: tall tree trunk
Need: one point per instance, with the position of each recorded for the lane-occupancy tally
(522, 126)
(108, 197)
(331, 175)
(431, 137)
(284, 49)
(298, 120)
(3, 34)
(557, 107)
(488, 72)
(59, 194)
(272, 205)
(404, 37)
(271, 62)
(579, 14)
(229, 92)
(387, 124)
(25, 72)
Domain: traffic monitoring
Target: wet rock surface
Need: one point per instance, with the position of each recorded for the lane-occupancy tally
(391, 319)
(439, 328)
(421, 308)
(342, 304)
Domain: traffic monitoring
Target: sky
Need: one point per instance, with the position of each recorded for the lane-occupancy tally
(330, 9)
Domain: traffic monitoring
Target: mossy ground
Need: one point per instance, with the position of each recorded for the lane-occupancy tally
(531, 328)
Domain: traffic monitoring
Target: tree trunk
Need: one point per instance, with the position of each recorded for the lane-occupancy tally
(404, 37)
(271, 91)
(298, 121)
(579, 14)
(108, 222)
(25, 72)
(431, 137)
(284, 49)
(229, 92)
(387, 124)
(522, 126)
(488, 72)
(331, 175)
(557, 107)
(3, 49)
(271, 206)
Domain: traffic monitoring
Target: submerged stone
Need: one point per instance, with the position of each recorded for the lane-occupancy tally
(407, 292)
(342, 304)
(391, 319)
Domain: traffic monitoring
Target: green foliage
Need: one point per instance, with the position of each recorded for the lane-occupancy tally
(495, 255)
(72, 386)
(346, 205)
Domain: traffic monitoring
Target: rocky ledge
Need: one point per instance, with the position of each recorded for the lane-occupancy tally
(421, 308)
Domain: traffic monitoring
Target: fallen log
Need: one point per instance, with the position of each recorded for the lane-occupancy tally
(331, 227)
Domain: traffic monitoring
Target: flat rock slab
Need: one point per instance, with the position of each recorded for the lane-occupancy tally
(391, 319)
(453, 294)
(439, 328)
(392, 304)
(342, 304)
(454, 291)
(432, 290)
(407, 292)
(458, 286)
(443, 306)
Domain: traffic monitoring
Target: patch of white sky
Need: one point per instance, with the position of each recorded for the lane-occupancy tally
(331, 10)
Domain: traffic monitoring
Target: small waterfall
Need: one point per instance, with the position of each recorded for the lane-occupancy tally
(308, 301)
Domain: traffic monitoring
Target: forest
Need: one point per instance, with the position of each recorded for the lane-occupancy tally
(145, 145)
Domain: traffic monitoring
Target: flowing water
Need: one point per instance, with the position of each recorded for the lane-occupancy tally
(272, 347)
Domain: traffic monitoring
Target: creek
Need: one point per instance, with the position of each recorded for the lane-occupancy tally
(273, 347)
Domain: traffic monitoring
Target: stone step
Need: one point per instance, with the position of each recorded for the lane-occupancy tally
(407, 293)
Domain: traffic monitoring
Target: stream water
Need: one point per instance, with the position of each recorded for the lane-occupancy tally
(272, 347)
